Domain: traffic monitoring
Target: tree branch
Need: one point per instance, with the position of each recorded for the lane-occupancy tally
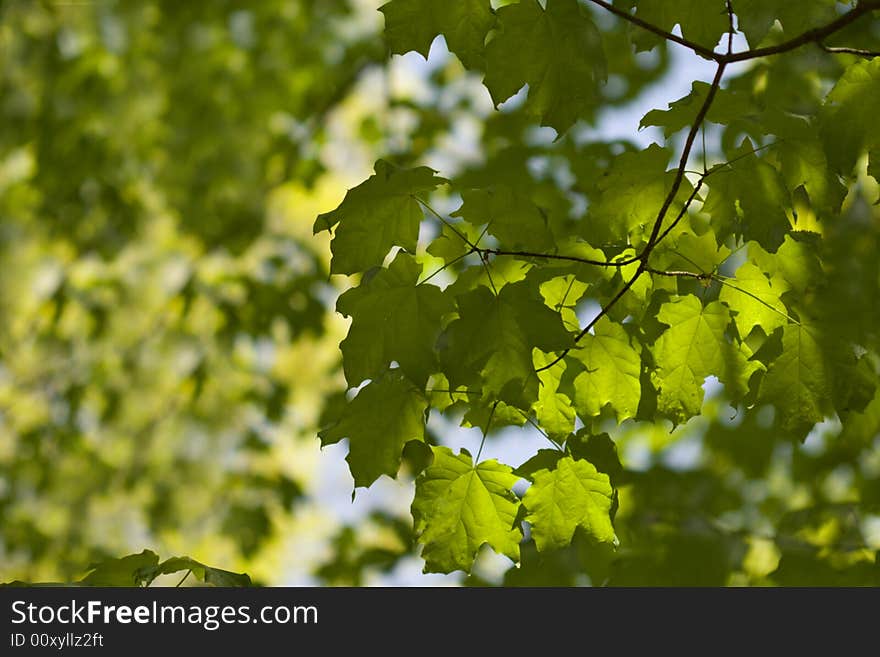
(696, 47)
(731, 30)
(553, 256)
(682, 164)
(815, 35)
(699, 185)
(424, 204)
(604, 311)
(684, 208)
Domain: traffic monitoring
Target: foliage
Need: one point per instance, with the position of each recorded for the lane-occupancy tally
(143, 569)
(689, 324)
(165, 345)
(725, 275)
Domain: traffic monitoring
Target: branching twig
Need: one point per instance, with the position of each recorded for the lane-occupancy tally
(723, 280)
(446, 266)
(554, 256)
(635, 20)
(682, 165)
(455, 230)
(810, 36)
(486, 432)
(815, 35)
(604, 311)
(540, 430)
(731, 30)
(188, 572)
(700, 182)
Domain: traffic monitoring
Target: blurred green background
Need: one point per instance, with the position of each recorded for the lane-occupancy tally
(168, 344)
(167, 334)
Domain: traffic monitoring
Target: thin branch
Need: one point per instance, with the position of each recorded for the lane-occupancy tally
(752, 151)
(604, 311)
(723, 280)
(705, 168)
(540, 430)
(682, 165)
(554, 256)
(485, 432)
(484, 260)
(188, 572)
(561, 304)
(690, 260)
(858, 52)
(731, 30)
(700, 182)
(446, 223)
(814, 35)
(446, 266)
(684, 209)
(696, 47)
(453, 392)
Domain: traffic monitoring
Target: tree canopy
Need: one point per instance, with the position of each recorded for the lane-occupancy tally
(686, 316)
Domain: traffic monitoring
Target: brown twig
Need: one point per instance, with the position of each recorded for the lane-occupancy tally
(810, 36)
(635, 20)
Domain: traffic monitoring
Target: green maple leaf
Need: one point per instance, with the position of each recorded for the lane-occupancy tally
(124, 571)
(489, 347)
(511, 217)
(756, 17)
(458, 507)
(687, 251)
(795, 262)
(701, 21)
(613, 367)
(798, 381)
(748, 197)
(727, 107)
(874, 165)
(802, 160)
(376, 215)
(630, 193)
(553, 409)
(557, 52)
(848, 118)
(562, 294)
(207, 574)
(392, 319)
(414, 24)
(386, 414)
(755, 299)
(693, 348)
(570, 495)
(449, 244)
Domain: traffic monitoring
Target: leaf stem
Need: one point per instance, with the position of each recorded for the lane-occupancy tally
(183, 579)
(425, 205)
(447, 265)
(486, 432)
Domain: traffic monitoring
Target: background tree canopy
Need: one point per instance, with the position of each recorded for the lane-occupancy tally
(558, 346)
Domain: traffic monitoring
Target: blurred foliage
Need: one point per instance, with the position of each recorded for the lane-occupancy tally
(168, 346)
